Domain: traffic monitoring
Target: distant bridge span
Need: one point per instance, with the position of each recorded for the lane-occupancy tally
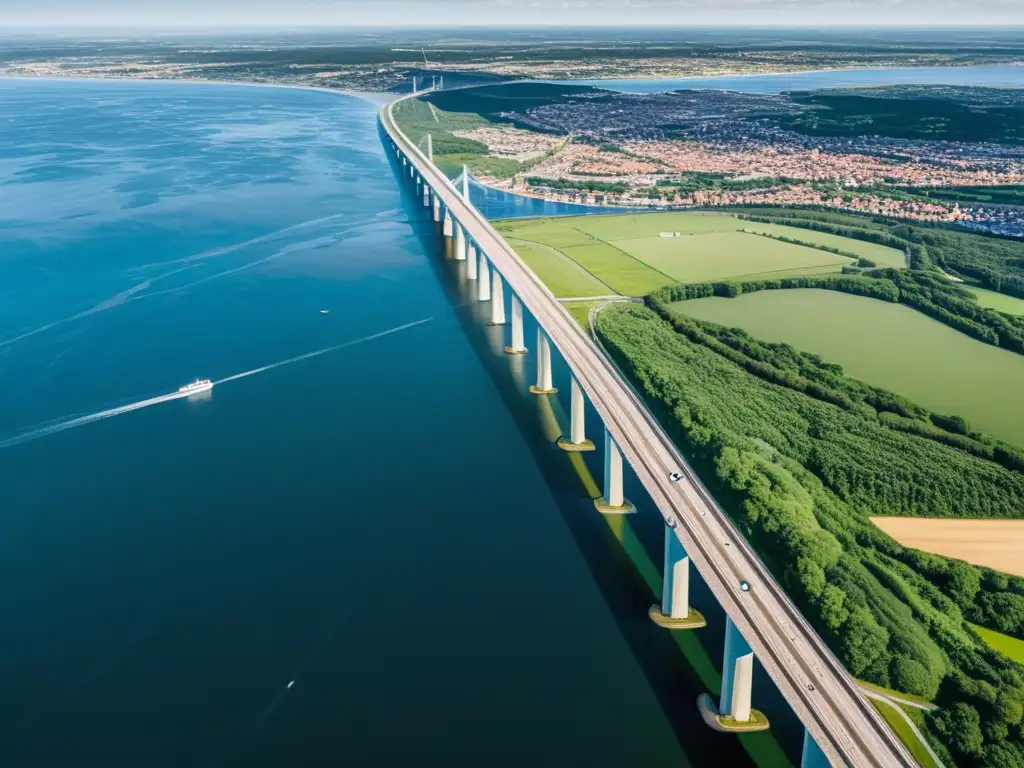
(842, 727)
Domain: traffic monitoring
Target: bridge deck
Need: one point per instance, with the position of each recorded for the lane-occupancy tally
(823, 695)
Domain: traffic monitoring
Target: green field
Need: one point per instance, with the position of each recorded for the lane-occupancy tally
(882, 255)
(889, 346)
(907, 736)
(565, 277)
(729, 255)
(1006, 645)
(999, 301)
(628, 255)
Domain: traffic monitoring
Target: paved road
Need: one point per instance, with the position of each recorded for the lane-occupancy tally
(823, 695)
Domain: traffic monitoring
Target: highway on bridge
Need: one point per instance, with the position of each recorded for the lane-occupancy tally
(822, 693)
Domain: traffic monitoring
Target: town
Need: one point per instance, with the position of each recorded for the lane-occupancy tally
(715, 148)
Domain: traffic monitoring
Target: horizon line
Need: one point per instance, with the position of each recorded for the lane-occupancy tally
(362, 26)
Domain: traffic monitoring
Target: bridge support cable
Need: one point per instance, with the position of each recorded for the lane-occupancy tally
(613, 502)
(675, 611)
(544, 385)
(577, 422)
(518, 345)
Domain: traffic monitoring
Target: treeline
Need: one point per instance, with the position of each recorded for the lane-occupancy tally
(992, 261)
(927, 292)
(937, 297)
(881, 289)
(616, 187)
(919, 258)
(788, 367)
(800, 477)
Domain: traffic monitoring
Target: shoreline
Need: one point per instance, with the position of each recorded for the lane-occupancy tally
(374, 97)
(952, 65)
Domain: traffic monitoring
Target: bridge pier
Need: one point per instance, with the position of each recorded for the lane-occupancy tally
(437, 208)
(497, 298)
(812, 756)
(471, 263)
(448, 223)
(543, 385)
(675, 611)
(483, 282)
(460, 242)
(577, 433)
(734, 712)
(517, 347)
(613, 502)
(426, 195)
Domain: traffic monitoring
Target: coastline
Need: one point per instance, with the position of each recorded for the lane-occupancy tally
(378, 98)
(950, 65)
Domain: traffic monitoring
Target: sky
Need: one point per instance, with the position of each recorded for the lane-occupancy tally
(179, 14)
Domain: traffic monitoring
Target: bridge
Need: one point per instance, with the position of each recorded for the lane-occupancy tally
(842, 728)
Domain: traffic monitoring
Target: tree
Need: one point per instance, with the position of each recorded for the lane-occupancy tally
(833, 611)
(963, 582)
(865, 640)
(959, 727)
(1002, 755)
(911, 676)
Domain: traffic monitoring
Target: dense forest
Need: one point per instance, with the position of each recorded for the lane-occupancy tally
(801, 455)
(938, 112)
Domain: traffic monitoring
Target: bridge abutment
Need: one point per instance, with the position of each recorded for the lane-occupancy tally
(577, 425)
(675, 611)
(613, 502)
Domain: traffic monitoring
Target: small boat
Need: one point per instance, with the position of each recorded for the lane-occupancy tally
(199, 385)
(323, 311)
(291, 683)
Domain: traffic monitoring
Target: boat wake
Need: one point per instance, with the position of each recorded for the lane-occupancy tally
(80, 421)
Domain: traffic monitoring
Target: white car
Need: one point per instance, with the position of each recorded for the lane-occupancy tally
(675, 477)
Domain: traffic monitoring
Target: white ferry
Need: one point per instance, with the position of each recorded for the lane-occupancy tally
(199, 385)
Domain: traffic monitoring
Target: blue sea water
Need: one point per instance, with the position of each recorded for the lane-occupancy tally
(384, 526)
(1006, 76)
